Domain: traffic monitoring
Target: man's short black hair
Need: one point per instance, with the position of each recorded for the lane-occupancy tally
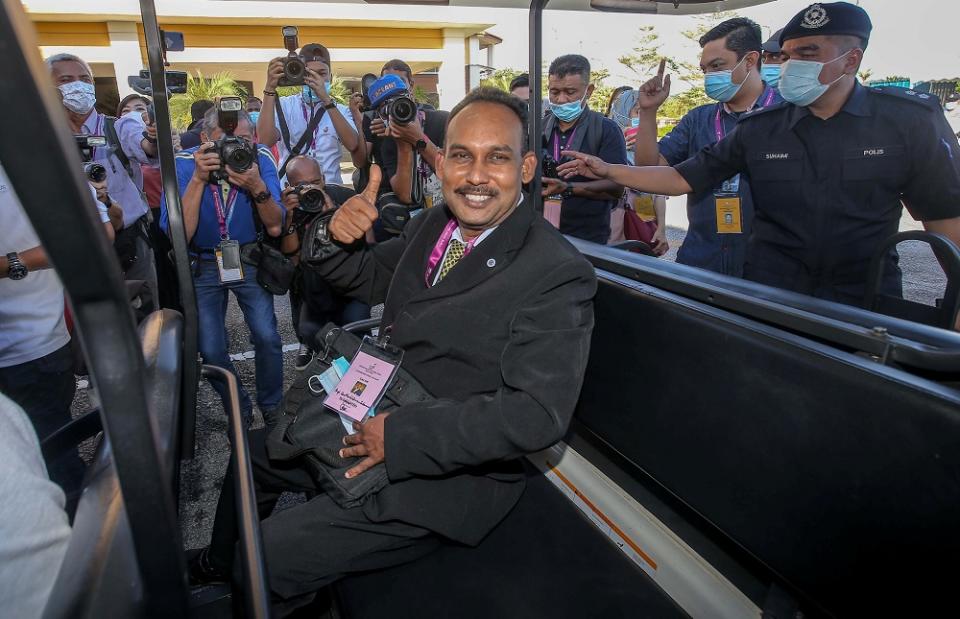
(199, 109)
(743, 36)
(520, 81)
(398, 65)
(253, 98)
(571, 64)
(486, 94)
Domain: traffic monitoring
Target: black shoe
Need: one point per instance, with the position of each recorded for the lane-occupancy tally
(304, 357)
(202, 572)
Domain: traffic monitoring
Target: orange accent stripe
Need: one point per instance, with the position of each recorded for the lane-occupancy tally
(603, 517)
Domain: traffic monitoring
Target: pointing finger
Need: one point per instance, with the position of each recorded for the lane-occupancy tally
(663, 66)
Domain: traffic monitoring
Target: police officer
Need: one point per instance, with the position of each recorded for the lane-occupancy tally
(830, 169)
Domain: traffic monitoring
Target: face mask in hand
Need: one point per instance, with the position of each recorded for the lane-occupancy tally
(771, 74)
(309, 97)
(78, 97)
(800, 81)
(254, 117)
(719, 84)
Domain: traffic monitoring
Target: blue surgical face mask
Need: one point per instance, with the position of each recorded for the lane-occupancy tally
(254, 116)
(309, 96)
(800, 81)
(719, 84)
(567, 112)
(770, 74)
(634, 122)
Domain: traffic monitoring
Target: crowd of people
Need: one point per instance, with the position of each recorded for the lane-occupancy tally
(793, 175)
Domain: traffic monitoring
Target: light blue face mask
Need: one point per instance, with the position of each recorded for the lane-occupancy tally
(770, 74)
(719, 84)
(800, 81)
(634, 122)
(308, 95)
(567, 112)
(254, 116)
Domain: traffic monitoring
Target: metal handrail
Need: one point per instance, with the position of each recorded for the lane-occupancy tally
(535, 77)
(256, 593)
(191, 366)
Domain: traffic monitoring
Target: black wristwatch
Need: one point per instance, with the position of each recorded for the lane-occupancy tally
(263, 196)
(420, 145)
(568, 192)
(16, 270)
(330, 106)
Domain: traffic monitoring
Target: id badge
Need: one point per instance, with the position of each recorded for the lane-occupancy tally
(366, 380)
(228, 262)
(643, 206)
(432, 191)
(731, 185)
(728, 214)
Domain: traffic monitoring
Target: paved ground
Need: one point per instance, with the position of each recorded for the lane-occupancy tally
(201, 478)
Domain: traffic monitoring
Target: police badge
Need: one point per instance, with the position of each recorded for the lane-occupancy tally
(815, 17)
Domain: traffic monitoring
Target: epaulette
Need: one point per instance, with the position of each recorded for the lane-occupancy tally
(925, 99)
(776, 107)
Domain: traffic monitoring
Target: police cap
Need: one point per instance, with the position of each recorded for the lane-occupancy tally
(772, 45)
(312, 52)
(828, 19)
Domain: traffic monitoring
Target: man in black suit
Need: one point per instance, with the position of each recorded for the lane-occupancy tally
(493, 309)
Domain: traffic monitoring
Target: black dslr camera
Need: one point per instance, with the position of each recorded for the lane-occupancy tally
(235, 152)
(400, 109)
(550, 167)
(93, 170)
(293, 68)
(311, 198)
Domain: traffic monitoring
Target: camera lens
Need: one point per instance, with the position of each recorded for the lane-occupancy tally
(95, 172)
(238, 154)
(294, 71)
(403, 111)
(311, 199)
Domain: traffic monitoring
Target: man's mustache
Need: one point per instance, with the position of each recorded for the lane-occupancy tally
(477, 191)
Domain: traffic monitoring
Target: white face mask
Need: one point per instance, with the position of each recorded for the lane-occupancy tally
(78, 97)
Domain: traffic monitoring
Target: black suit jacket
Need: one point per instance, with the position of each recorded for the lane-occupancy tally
(501, 342)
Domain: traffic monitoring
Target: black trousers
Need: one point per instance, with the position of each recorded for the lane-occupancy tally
(313, 544)
(44, 388)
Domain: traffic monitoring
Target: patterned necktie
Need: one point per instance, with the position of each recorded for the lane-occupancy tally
(454, 254)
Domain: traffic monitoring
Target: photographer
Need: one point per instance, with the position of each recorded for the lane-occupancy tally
(223, 210)
(289, 120)
(313, 303)
(131, 141)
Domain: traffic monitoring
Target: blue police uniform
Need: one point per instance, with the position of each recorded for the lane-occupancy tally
(704, 245)
(828, 192)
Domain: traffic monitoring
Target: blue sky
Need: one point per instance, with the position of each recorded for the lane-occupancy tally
(915, 38)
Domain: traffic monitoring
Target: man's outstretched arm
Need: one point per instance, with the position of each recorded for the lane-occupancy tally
(662, 180)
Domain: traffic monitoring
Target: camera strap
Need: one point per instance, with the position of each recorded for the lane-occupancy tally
(285, 133)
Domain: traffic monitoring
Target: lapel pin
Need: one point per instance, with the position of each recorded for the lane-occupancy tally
(491, 263)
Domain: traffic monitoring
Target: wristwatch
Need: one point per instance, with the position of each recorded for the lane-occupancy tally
(263, 196)
(16, 270)
(568, 192)
(330, 106)
(420, 145)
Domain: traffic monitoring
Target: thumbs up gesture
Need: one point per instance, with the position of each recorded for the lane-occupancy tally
(352, 220)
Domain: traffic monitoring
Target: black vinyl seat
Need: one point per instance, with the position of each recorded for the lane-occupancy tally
(546, 559)
(99, 576)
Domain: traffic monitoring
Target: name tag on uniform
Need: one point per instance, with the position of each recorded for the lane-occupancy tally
(729, 220)
(228, 262)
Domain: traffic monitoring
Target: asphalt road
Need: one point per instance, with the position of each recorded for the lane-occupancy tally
(201, 477)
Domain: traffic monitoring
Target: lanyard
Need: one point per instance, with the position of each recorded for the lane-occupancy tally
(441, 248)
(224, 214)
(718, 120)
(556, 143)
(306, 119)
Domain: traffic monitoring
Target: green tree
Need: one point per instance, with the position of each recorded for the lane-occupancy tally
(865, 75)
(690, 72)
(501, 78)
(601, 91)
(645, 57)
(220, 84)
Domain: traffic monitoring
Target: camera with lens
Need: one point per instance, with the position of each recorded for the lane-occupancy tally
(550, 167)
(391, 99)
(93, 170)
(294, 70)
(235, 152)
(311, 198)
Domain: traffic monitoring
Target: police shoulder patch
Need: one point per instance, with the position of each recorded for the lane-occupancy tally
(927, 100)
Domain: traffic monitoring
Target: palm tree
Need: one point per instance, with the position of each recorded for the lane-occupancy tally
(198, 88)
(338, 90)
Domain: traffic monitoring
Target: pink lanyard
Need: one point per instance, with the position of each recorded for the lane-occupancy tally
(718, 121)
(566, 145)
(224, 214)
(441, 248)
(306, 119)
